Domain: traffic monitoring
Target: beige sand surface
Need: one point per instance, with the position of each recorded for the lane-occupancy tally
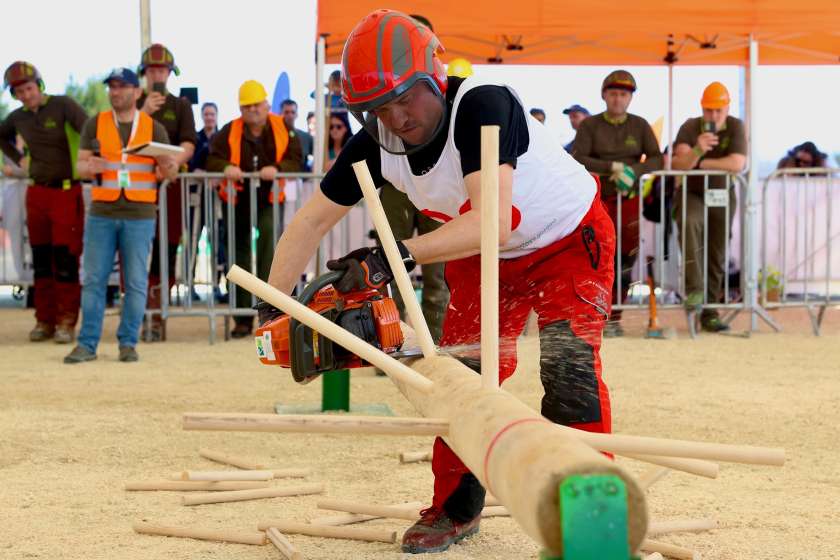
(71, 436)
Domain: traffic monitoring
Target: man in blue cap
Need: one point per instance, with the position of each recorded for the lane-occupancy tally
(577, 114)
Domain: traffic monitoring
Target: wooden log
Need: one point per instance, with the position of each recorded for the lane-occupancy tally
(242, 495)
(315, 424)
(197, 485)
(392, 367)
(223, 475)
(681, 526)
(670, 550)
(219, 535)
(392, 253)
(415, 456)
(651, 476)
(390, 512)
(352, 533)
(232, 460)
(282, 544)
(495, 511)
(349, 518)
(691, 466)
(489, 211)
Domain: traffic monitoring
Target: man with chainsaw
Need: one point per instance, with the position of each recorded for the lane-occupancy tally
(422, 134)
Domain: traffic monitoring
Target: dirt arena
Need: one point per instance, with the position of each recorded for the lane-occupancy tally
(70, 436)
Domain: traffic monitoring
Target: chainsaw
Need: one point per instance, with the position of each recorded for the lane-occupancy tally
(367, 314)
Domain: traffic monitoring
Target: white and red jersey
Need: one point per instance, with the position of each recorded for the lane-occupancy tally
(551, 191)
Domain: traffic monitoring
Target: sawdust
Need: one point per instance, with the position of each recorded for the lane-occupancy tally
(70, 436)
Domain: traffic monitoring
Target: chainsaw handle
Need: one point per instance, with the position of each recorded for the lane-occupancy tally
(317, 284)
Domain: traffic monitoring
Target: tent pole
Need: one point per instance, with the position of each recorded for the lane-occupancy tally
(750, 233)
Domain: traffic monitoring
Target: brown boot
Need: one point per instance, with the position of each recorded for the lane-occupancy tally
(435, 532)
(41, 332)
(64, 334)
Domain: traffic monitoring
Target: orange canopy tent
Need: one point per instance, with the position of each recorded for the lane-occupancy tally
(594, 32)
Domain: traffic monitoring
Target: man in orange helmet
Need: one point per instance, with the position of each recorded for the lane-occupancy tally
(715, 141)
(422, 134)
(50, 126)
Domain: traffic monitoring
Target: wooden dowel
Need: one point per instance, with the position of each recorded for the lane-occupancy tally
(489, 212)
(242, 495)
(392, 367)
(392, 253)
(415, 456)
(491, 500)
(681, 526)
(692, 466)
(670, 550)
(315, 424)
(349, 518)
(641, 445)
(495, 511)
(282, 544)
(352, 533)
(654, 556)
(651, 476)
(197, 485)
(232, 460)
(292, 472)
(390, 512)
(219, 535)
(223, 475)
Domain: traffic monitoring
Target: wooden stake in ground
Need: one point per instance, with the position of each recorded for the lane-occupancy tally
(219, 535)
(282, 544)
(223, 475)
(243, 495)
(415, 456)
(352, 533)
(489, 256)
(196, 485)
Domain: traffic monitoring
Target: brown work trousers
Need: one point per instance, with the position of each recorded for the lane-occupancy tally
(693, 244)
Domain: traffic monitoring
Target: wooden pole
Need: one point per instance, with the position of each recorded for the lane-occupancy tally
(681, 526)
(495, 511)
(292, 472)
(349, 518)
(190, 486)
(216, 476)
(352, 533)
(243, 495)
(489, 256)
(392, 367)
(691, 466)
(415, 456)
(652, 476)
(219, 535)
(282, 544)
(670, 550)
(389, 244)
(389, 512)
(654, 556)
(232, 460)
(315, 424)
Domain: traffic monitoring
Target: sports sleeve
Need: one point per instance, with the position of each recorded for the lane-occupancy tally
(7, 140)
(219, 151)
(583, 149)
(739, 139)
(490, 105)
(76, 115)
(159, 133)
(684, 135)
(87, 134)
(340, 184)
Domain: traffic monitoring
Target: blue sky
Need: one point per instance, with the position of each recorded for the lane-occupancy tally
(218, 44)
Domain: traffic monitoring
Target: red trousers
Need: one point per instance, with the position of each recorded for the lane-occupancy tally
(55, 220)
(568, 285)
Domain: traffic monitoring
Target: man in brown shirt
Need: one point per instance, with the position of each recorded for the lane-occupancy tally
(715, 141)
(176, 116)
(257, 134)
(50, 125)
(619, 147)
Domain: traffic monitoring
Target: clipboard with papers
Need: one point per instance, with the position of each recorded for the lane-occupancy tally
(153, 149)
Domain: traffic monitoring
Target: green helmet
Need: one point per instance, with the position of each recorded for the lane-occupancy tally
(157, 55)
(619, 79)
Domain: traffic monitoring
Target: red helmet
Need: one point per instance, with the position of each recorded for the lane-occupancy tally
(386, 54)
(20, 72)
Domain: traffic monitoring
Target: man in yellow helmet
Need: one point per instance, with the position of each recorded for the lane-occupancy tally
(257, 141)
(714, 141)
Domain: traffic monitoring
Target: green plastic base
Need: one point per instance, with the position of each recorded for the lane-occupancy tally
(335, 397)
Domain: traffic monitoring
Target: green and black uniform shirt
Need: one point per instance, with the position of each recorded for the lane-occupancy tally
(52, 137)
(600, 141)
(732, 139)
(265, 151)
(122, 208)
(176, 116)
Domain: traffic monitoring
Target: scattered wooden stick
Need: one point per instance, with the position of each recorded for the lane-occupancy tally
(495, 511)
(282, 544)
(489, 296)
(681, 526)
(350, 518)
(219, 535)
(390, 512)
(292, 472)
(654, 556)
(491, 500)
(415, 456)
(242, 495)
(315, 424)
(353, 533)
(652, 476)
(197, 485)
(691, 466)
(223, 475)
(668, 549)
(232, 460)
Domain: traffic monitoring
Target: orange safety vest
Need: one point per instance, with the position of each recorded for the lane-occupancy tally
(141, 170)
(281, 142)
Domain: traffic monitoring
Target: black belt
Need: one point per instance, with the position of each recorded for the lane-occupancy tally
(57, 184)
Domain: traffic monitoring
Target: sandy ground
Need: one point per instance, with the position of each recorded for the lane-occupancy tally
(70, 436)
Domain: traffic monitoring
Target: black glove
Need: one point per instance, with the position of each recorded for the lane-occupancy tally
(367, 268)
(266, 312)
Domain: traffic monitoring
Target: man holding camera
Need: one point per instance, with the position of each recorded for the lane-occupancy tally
(715, 141)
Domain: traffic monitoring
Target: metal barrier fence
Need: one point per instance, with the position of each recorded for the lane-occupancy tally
(15, 252)
(798, 267)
